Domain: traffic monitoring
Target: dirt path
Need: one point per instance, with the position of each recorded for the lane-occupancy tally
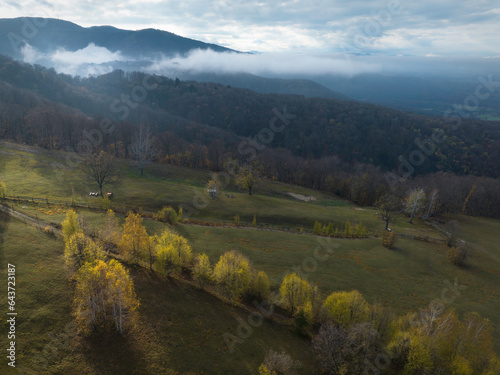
(29, 220)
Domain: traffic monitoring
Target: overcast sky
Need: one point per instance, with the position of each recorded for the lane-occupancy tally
(382, 27)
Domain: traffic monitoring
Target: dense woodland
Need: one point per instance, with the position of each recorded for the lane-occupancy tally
(343, 147)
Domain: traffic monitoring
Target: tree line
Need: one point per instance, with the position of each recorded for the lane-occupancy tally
(348, 334)
(330, 145)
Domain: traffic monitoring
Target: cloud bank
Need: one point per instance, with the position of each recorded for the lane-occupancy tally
(208, 61)
(91, 60)
(95, 60)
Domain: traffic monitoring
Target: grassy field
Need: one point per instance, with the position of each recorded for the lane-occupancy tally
(180, 330)
(178, 317)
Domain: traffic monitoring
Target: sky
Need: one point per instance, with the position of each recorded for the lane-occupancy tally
(437, 28)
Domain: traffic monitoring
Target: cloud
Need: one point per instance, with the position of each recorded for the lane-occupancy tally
(91, 60)
(208, 61)
(299, 26)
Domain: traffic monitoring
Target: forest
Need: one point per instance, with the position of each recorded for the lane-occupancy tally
(356, 150)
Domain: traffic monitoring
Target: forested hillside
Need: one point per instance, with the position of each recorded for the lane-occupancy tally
(341, 146)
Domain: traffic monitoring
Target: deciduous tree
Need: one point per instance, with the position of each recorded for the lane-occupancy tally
(261, 287)
(3, 189)
(173, 253)
(70, 225)
(134, 241)
(101, 168)
(80, 249)
(247, 178)
(233, 273)
(295, 292)
(414, 202)
(142, 148)
(202, 271)
(346, 308)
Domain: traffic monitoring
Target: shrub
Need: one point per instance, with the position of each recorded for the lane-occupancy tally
(388, 239)
(317, 228)
(458, 255)
(347, 229)
(167, 215)
(180, 217)
(237, 220)
(50, 231)
(254, 222)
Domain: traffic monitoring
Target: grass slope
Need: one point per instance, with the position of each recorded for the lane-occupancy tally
(180, 330)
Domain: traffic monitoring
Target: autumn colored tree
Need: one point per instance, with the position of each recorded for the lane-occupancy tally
(261, 286)
(70, 225)
(388, 206)
(122, 297)
(134, 241)
(104, 296)
(110, 234)
(233, 273)
(3, 189)
(80, 249)
(173, 253)
(295, 292)
(414, 202)
(346, 308)
(214, 186)
(247, 178)
(202, 270)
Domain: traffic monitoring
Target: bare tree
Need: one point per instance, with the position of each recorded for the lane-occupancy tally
(432, 204)
(415, 202)
(142, 147)
(101, 168)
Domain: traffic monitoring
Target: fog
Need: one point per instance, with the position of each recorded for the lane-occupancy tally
(96, 60)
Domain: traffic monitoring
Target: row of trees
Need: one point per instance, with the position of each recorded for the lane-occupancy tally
(356, 337)
(352, 335)
(349, 230)
(104, 293)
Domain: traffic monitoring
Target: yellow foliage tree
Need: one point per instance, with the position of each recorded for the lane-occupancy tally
(202, 270)
(122, 297)
(232, 272)
(345, 308)
(104, 296)
(80, 249)
(261, 286)
(3, 189)
(70, 225)
(173, 253)
(110, 234)
(134, 241)
(295, 292)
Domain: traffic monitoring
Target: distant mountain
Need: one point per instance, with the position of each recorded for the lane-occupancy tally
(305, 87)
(48, 35)
(139, 49)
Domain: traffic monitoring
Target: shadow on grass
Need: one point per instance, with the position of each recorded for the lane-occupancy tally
(110, 353)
